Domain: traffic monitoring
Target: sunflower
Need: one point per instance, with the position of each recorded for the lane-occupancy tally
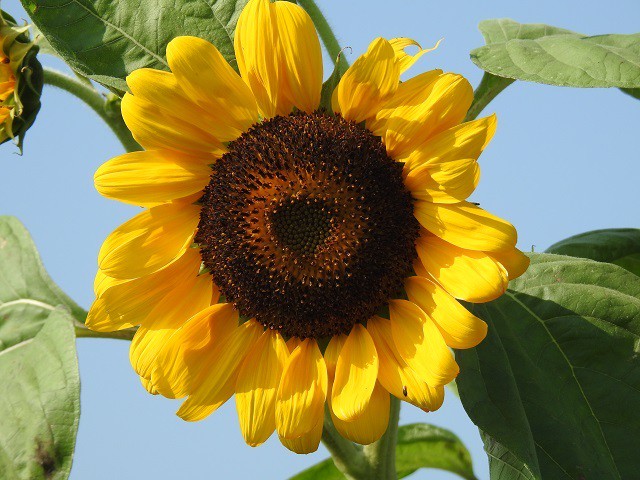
(293, 256)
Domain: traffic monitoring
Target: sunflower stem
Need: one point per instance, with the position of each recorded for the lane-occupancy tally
(98, 103)
(326, 33)
(83, 332)
(489, 88)
(381, 455)
(347, 456)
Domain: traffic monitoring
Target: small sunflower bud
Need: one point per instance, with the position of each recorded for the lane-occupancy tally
(20, 80)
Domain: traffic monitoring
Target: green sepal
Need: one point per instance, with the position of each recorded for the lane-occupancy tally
(330, 85)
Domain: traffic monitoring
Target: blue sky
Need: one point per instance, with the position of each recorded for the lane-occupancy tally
(563, 161)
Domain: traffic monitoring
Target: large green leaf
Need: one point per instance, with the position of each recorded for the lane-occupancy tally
(27, 293)
(556, 383)
(419, 446)
(105, 40)
(555, 56)
(615, 245)
(40, 402)
(39, 406)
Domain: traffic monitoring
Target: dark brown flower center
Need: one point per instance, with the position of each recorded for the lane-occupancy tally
(306, 225)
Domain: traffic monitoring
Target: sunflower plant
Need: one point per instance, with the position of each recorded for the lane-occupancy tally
(306, 246)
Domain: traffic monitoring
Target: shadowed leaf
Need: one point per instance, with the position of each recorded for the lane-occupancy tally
(555, 386)
(419, 446)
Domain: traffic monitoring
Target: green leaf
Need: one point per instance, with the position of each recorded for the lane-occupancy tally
(616, 245)
(42, 42)
(555, 56)
(27, 293)
(39, 406)
(556, 383)
(425, 446)
(325, 470)
(634, 92)
(40, 402)
(419, 446)
(106, 40)
(504, 465)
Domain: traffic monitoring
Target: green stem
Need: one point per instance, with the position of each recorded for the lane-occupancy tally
(326, 33)
(489, 88)
(381, 455)
(96, 101)
(83, 332)
(346, 455)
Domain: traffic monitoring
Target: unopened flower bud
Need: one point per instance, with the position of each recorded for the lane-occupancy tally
(20, 80)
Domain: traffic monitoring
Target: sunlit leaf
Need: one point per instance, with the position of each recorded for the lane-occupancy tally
(616, 245)
(40, 402)
(106, 40)
(555, 56)
(27, 293)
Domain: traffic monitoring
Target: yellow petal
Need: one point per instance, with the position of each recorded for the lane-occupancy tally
(5, 113)
(259, 56)
(256, 387)
(129, 303)
(147, 386)
(173, 94)
(302, 391)
(372, 422)
(419, 269)
(7, 77)
(193, 409)
(466, 274)
(156, 128)
(395, 375)
(185, 349)
(465, 141)
(412, 92)
(332, 352)
(301, 56)
(466, 226)
(307, 443)
(355, 376)
(446, 105)
(292, 343)
(149, 241)
(150, 178)
(420, 343)
(207, 78)
(450, 182)
(216, 382)
(404, 59)
(514, 261)
(103, 282)
(99, 319)
(459, 327)
(163, 321)
(368, 83)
